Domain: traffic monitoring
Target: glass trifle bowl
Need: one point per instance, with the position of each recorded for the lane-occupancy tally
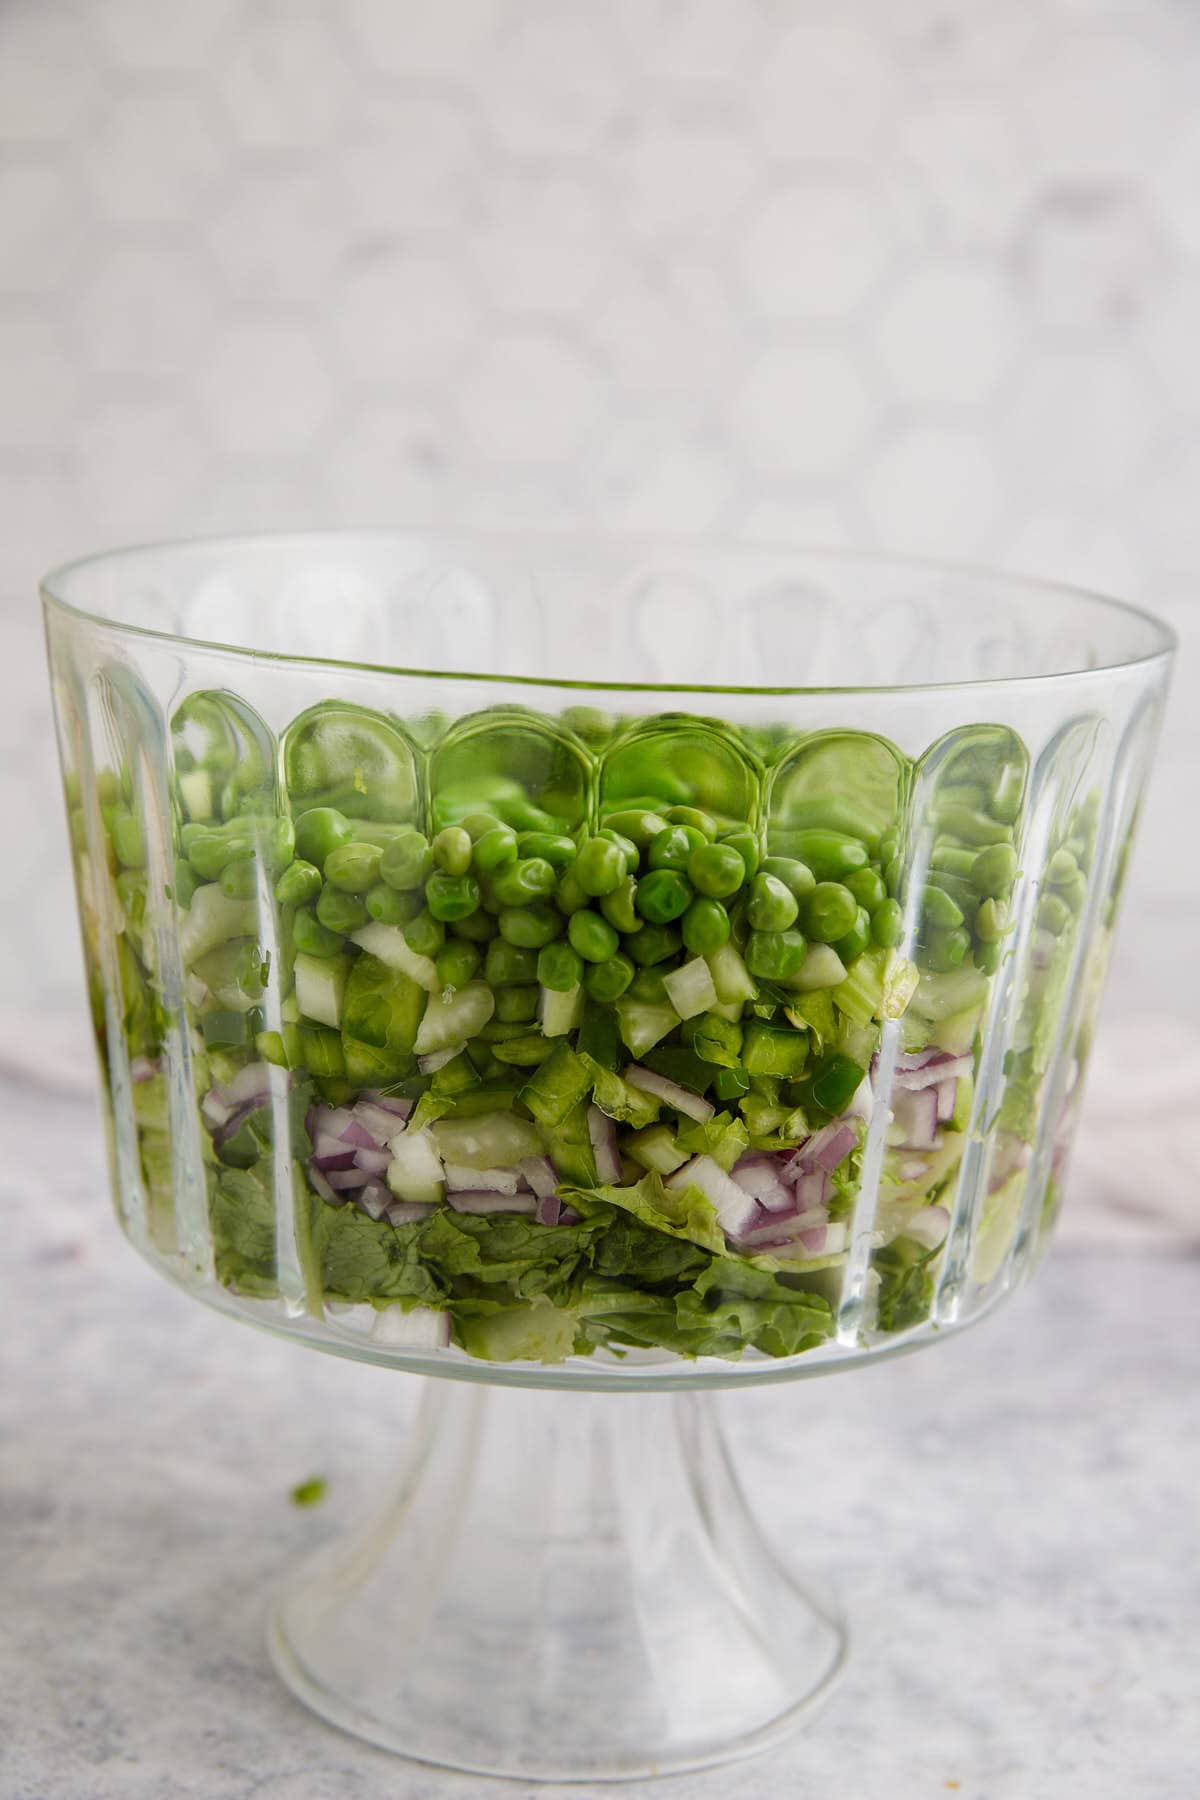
(601, 972)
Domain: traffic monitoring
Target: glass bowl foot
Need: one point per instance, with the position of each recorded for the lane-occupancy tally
(565, 1587)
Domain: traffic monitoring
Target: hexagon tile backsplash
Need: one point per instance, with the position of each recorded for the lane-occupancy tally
(920, 276)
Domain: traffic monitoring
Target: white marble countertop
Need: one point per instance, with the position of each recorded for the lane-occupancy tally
(1010, 1524)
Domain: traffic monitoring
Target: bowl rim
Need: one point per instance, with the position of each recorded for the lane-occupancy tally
(63, 575)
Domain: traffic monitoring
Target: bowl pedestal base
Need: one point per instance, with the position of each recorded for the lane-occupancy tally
(565, 1586)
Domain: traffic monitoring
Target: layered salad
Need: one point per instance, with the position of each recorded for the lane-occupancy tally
(547, 1036)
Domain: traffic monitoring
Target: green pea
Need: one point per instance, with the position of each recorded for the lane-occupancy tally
(705, 926)
(663, 895)
(531, 878)
(994, 871)
(831, 855)
(1075, 893)
(190, 834)
(893, 875)
(887, 924)
(478, 824)
(829, 912)
(867, 887)
(856, 939)
(672, 848)
(949, 859)
(640, 825)
(699, 821)
(1062, 869)
(478, 927)
(971, 826)
(407, 862)
(425, 934)
(987, 958)
(559, 968)
(239, 880)
(457, 963)
(653, 944)
(452, 850)
(523, 815)
(775, 955)
(320, 830)
(608, 980)
(313, 938)
(553, 847)
(593, 937)
(508, 965)
(530, 926)
(353, 867)
(618, 907)
(516, 1005)
(600, 867)
(797, 877)
(770, 906)
(277, 845)
(946, 950)
(496, 849)
(300, 882)
(569, 897)
(186, 882)
(128, 842)
(341, 912)
(209, 853)
(1005, 801)
(647, 985)
(716, 870)
(889, 844)
(390, 907)
(743, 840)
(939, 909)
(991, 922)
(451, 897)
(624, 844)
(1053, 914)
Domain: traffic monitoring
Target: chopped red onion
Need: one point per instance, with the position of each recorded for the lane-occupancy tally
(461, 1180)
(357, 1135)
(670, 1093)
(373, 1160)
(862, 1106)
(568, 1216)
(783, 1231)
(382, 1123)
(915, 1059)
(375, 1199)
(812, 1190)
(758, 1174)
(913, 1168)
(342, 1180)
(826, 1148)
(215, 1107)
(947, 1100)
(929, 1227)
(322, 1187)
(540, 1174)
(142, 1069)
(405, 1212)
(936, 1070)
(548, 1210)
(333, 1119)
(331, 1152)
(734, 1209)
(915, 1118)
(484, 1200)
(603, 1133)
(255, 1083)
(392, 1103)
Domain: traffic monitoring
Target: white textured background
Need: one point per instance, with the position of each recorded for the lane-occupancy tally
(922, 276)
